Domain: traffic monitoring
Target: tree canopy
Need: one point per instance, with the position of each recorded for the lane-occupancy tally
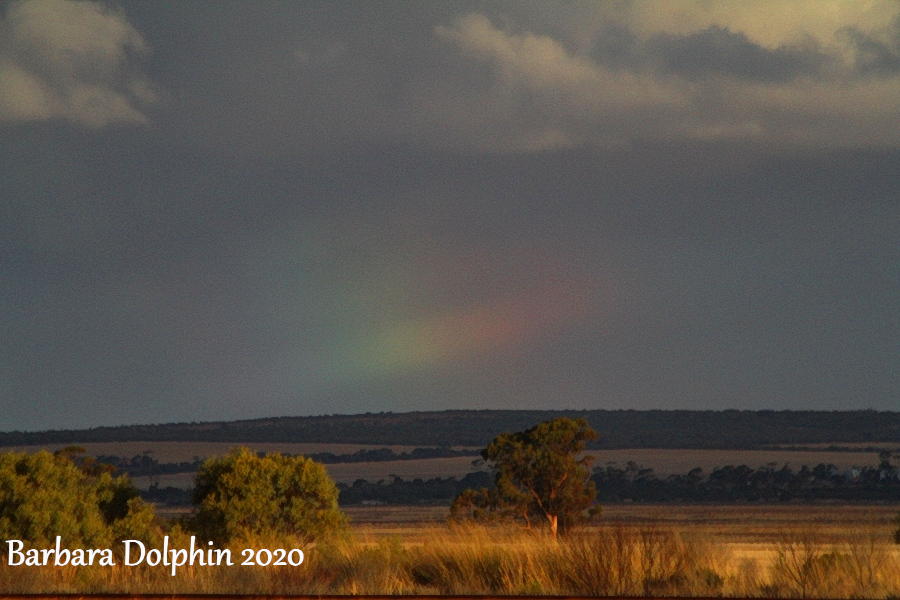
(243, 495)
(539, 477)
(44, 495)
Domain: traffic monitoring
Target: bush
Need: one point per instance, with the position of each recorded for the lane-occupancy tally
(43, 496)
(242, 495)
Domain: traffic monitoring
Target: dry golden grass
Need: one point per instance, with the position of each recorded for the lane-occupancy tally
(756, 523)
(776, 551)
(407, 516)
(743, 525)
(652, 559)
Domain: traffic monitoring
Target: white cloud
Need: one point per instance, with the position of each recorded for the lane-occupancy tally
(543, 94)
(71, 60)
(539, 63)
(768, 22)
(521, 77)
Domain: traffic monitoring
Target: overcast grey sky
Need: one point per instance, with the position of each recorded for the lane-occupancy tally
(231, 210)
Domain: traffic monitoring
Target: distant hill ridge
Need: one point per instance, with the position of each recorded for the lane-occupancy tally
(728, 429)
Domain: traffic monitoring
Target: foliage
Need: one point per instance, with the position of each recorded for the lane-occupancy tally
(538, 477)
(243, 495)
(434, 491)
(43, 496)
(744, 484)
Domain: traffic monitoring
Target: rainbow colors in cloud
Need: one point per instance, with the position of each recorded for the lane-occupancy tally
(471, 333)
(352, 317)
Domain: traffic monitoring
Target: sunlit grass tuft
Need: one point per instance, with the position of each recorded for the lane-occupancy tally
(613, 560)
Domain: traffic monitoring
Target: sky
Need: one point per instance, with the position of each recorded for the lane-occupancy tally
(230, 210)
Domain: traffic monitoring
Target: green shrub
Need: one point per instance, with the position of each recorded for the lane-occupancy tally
(242, 495)
(44, 495)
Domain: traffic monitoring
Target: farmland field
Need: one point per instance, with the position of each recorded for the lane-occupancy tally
(848, 445)
(731, 524)
(637, 550)
(662, 461)
(189, 451)
(745, 536)
(350, 472)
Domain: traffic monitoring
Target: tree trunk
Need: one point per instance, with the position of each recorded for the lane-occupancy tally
(553, 522)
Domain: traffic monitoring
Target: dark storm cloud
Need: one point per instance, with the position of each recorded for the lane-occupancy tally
(282, 80)
(876, 55)
(720, 51)
(347, 207)
(764, 289)
(286, 79)
(714, 51)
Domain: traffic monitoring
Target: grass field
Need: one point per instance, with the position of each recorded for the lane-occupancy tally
(747, 538)
(730, 524)
(809, 551)
(350, 472)
(664, 462)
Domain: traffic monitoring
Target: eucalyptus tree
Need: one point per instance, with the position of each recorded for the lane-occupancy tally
(541, 476)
